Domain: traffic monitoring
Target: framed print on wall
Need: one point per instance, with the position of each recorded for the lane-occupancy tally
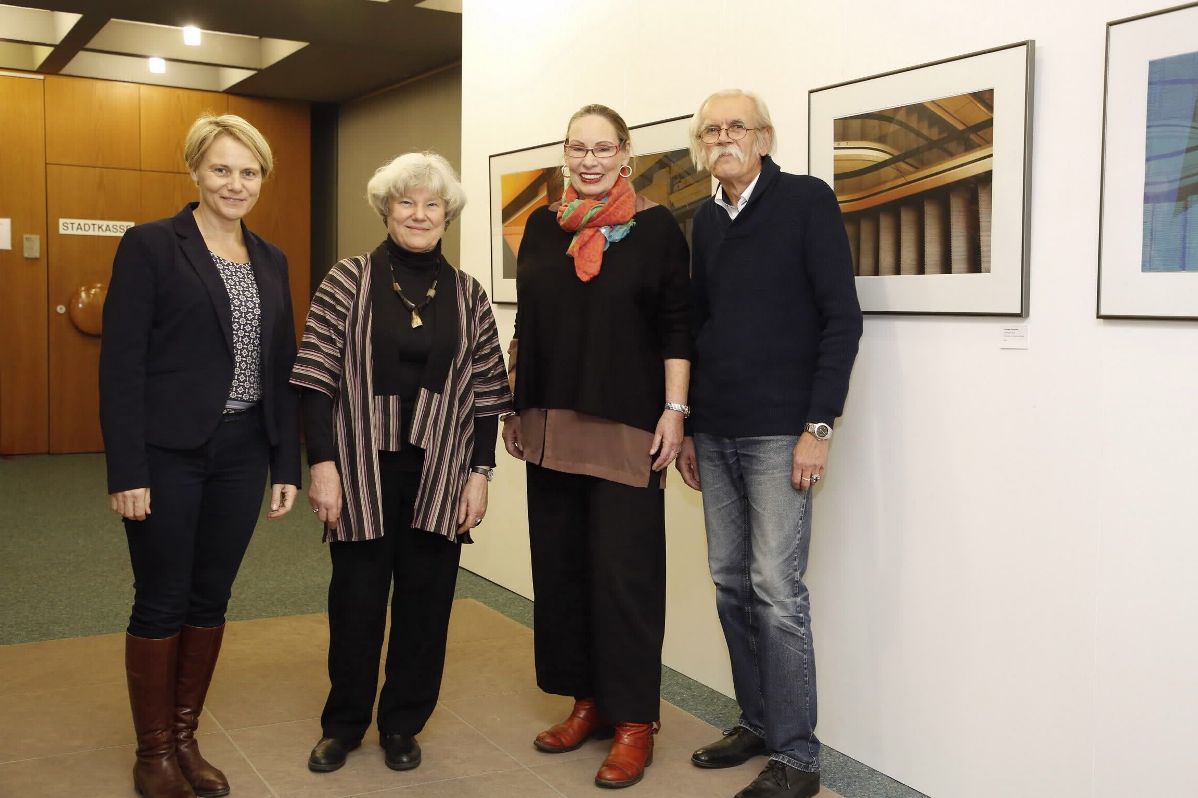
(524, 180)
(931, 166)
(1148, 227)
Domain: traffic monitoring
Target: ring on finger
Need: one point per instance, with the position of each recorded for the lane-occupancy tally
(816, 477)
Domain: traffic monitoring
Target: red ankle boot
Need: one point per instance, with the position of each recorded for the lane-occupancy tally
(631, 752)
(584, 722)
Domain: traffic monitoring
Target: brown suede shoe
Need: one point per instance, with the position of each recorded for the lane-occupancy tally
(584, 723)
(198, 649)
(631, 752)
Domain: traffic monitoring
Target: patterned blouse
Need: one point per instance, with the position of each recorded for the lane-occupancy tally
(247, 332)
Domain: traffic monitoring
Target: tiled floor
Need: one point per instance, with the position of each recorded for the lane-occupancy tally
(65, 729)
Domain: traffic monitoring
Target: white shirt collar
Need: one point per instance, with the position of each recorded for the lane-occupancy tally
(733, 210)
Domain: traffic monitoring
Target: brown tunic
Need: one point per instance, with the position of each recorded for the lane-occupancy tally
(577, 443)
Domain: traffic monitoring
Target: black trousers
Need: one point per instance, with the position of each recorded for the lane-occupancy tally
(599, 577)
(204, 504)
(424, 568)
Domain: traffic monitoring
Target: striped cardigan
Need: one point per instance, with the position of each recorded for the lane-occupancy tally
(464, 377)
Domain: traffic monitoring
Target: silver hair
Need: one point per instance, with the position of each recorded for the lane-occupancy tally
(765, 137)
(414, 170)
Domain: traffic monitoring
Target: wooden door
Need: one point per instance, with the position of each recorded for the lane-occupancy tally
(76, 262)
(24, 409)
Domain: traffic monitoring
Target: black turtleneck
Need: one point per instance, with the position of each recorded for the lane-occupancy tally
(400, 353)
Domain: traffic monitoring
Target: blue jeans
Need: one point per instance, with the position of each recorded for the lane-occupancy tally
(758, 534)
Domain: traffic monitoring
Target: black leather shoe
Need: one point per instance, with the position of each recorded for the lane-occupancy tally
(401, 751)
(734, 748)
(330, 753)
(780, 780)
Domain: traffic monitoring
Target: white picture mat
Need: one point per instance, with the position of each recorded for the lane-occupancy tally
(647, 139)
(1001, 291)
(1123, 289)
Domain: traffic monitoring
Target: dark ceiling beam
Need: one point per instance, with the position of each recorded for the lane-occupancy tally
(84, 30)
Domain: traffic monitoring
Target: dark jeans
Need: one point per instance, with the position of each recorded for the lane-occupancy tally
(424, 568)
(758, 536)
(599, 575)
(204, 504)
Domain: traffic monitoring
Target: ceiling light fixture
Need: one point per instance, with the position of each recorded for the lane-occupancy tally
(157, 66)
(191, 35)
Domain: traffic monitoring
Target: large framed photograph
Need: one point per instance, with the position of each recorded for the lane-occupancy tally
(524, 180)
(931, 166)
(1148, 233)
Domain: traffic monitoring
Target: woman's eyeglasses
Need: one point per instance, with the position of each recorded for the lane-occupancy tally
(602, 150)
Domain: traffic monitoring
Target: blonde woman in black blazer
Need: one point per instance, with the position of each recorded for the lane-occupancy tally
(195, 407)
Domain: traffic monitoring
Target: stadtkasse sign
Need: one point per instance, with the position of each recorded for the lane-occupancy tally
(92, 227)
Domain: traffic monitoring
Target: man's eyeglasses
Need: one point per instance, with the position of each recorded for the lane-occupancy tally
(602, 150)
(736, 131)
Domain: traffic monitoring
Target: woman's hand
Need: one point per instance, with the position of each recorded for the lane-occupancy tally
(472, 507)
(324, 494)
(667, 441)
(282, 496)
(133, 504)
(511, 437)
(688, 464)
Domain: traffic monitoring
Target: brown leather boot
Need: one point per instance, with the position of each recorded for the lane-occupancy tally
(150, 669)
(584, 722)
(198, 650)
(631, 752)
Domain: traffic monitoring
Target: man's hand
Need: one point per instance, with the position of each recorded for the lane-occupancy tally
(810, 457)
(688, 463)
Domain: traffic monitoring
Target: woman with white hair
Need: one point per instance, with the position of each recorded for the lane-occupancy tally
(403, 384)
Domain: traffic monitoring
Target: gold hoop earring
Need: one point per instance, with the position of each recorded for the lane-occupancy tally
(625, 174)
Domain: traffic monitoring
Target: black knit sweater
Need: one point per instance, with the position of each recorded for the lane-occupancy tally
(775, 308)
(598, 347)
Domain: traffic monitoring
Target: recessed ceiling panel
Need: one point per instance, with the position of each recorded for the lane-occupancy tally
(136, 70)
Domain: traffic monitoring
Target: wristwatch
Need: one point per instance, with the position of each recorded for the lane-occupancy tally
(819, 429)
(678, 407)
(487, 472)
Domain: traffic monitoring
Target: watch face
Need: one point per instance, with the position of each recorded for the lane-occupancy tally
(821, 431)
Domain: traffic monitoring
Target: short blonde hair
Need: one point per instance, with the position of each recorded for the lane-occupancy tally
(766, 139)
(208, 127)
(413, 170)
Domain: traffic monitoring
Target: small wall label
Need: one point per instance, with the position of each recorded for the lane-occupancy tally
(92, 227)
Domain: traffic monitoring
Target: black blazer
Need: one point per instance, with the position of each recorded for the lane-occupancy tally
(166, 352)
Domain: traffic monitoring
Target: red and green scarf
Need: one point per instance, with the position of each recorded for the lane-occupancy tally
(584, 217)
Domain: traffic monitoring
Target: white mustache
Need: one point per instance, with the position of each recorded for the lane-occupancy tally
(725, 149)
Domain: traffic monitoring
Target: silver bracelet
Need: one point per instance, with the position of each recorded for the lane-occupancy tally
(677, 407)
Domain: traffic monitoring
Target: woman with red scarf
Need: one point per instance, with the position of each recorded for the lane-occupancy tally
(602, 338)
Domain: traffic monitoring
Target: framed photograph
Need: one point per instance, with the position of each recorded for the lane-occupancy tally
(524, 180)
(931, 166)
(1148, 228)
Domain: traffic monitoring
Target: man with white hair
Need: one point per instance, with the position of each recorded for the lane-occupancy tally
(777, 325)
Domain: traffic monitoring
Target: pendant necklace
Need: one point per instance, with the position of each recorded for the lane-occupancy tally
(412, 307)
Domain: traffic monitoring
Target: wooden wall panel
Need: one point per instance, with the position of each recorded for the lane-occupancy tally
(166, 116)
(283, 214)
(92, 123)
(164, 194)
(77, 192)
(24, 408)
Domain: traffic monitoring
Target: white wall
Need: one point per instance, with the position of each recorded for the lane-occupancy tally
(1001, 568)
